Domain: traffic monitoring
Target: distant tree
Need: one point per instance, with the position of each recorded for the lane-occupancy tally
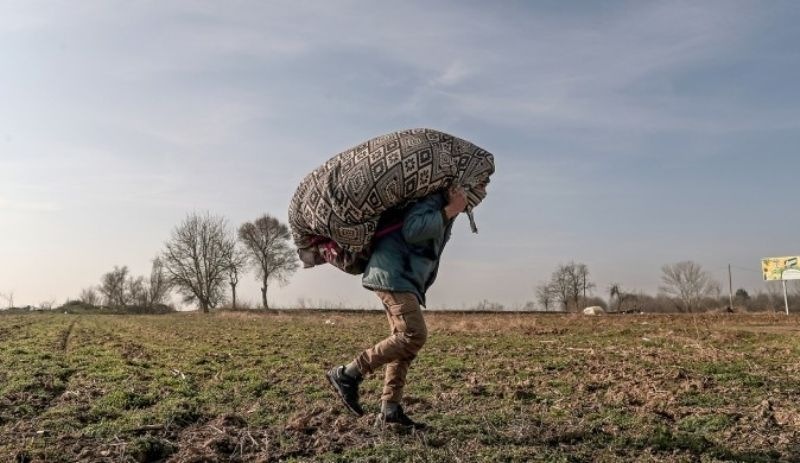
(159, 286)
(529, 306)
(774, 293)
(9, 298)
(89, 296)
(120, 289)
(574, 284)
(545, 296)
(688, 283)
(47, 305)
(642, 302)
(760, 301)
(113, 287)
(237, 264)
(488, 306)
(741, 298)
(196, 259)
(618, 295)
(560, 286)
(569, 283)
(766, 299)
(267, 243)
(582, 278)
(715, 290)
(137, 291)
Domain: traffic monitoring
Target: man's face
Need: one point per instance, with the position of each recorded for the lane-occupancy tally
(481, 185)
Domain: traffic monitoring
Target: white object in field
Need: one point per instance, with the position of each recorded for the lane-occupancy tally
(594, 310)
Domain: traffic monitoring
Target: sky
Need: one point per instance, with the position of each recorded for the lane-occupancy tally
(626, 135)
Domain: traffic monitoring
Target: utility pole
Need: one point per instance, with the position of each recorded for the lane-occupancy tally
(730, 286)
(785, 297)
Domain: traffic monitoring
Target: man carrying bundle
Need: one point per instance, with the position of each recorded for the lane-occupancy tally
(429, 177)
(401, 269)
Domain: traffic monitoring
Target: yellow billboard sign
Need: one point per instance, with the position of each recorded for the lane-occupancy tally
(781, 268)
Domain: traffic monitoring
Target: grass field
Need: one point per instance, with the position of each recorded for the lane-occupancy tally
(505, 387)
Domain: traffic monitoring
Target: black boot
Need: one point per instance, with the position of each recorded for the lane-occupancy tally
(399, 417)
(346, 387)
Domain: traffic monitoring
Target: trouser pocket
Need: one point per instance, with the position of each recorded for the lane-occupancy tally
(399, 303)
(406, 319)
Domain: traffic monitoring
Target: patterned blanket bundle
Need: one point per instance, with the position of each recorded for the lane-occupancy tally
(335, 211)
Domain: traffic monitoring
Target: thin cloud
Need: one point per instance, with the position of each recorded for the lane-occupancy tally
(28, 206)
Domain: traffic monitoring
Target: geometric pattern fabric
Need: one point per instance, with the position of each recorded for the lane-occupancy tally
(344, 198)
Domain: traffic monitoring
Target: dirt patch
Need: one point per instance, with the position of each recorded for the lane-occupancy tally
(64, 338)
(310, 432)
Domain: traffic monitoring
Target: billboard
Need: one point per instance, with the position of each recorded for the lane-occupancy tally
(781, 268)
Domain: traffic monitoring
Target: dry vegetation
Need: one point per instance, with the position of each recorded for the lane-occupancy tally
(506, 387)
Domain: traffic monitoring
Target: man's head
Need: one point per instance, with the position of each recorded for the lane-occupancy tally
(474, 171)
(476, 190)
(481, 185)
(474, 166)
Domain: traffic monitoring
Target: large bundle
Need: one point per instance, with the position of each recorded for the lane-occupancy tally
(343, 199)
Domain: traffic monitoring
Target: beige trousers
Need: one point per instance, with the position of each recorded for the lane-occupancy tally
(408, 334)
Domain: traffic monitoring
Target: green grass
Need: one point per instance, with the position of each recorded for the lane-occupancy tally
(506, 387)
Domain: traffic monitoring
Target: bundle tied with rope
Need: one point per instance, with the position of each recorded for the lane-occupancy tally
(358, 195)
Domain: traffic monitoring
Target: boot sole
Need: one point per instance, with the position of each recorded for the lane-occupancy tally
(340, 395)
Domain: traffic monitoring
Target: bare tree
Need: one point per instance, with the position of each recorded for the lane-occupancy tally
(196, 259)
(545, 296)
(9, 297)
(112, 287)
(560, 286)
(582, 277)
(47, 305)
(569, 283)
(237, 263)
(688, 282)
(159, 286)
(574, 285)
(137, 291)
(615, 292)
(89, 296)
(775, 294)
(267, 243)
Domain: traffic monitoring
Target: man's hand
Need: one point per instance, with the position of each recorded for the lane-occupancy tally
(456, 202)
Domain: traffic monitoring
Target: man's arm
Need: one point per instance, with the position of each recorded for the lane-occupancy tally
(426, 220)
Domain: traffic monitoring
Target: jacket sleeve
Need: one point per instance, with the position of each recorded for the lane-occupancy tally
(424, 221)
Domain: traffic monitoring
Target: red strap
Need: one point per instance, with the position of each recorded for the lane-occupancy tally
(388, 229)
(317, 239)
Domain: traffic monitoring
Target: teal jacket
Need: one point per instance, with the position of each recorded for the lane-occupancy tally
(407, 259)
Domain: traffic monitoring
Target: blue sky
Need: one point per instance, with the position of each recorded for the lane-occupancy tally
(627, 135)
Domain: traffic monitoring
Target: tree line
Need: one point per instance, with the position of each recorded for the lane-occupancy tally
(685, 287)
(203, 259)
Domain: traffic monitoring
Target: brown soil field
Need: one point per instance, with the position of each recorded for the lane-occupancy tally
(511, 387)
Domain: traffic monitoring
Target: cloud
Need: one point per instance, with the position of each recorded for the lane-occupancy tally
(454, 73)
(28, 206)
(618, 73)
